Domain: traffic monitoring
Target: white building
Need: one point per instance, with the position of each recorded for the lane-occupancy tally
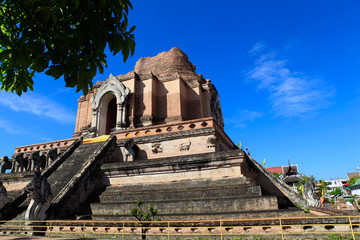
(334, 184)
(355, 188)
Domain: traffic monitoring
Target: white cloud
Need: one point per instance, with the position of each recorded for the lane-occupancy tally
(241, 117)
(258, 47)
(37, 105)
(10, 127)
(291, 94)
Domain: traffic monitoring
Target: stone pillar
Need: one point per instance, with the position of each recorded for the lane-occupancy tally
(120, 116)
(95, 120)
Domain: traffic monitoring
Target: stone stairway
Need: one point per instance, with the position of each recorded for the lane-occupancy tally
(212, 199)
(72, 177)
(77, 178)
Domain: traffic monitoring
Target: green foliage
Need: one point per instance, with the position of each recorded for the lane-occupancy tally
(61, 37)
(322, 185)
(337, 191)
(338, 237)
(300, 185)
(277, 174)
(302, 181)
(142, 215)
(352, 180)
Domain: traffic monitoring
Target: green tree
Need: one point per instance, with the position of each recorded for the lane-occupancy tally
(337, 191)
(144, 216)
(352, 180)
(300, 185)
(277, 174)
(61, 37)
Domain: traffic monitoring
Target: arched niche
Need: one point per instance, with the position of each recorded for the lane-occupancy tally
(104, 97)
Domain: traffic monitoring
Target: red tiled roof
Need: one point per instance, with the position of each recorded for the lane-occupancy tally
(275, 169)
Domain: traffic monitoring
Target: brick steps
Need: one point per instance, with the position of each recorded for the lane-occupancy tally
(191, 206)
(294, 212)
(199, 199)
(179, 192)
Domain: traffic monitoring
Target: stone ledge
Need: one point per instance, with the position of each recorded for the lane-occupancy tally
(16, 176)
(197, 206)
(62, 144)
(164, 128)
(170, 136)
(213, 215)
(198, 161)
(245, 198)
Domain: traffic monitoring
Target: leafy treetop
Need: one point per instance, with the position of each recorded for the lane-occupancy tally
(61, 37)
(337, 191)
(353, 180)
(277, 174)
(142, 215)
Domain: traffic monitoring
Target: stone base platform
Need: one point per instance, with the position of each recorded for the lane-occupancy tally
(202, 186)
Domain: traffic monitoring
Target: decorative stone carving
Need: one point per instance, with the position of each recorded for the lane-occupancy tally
(128, 151)
(215, 106)
(156, 148)
(310, 193)
(185, 146)
(51, 155)
(19, 162)
(40, 198)
(34, 161)
(88, 131)
(3, 196)
(212, 142)
(42, 162)
(5, 164)
(114, 86)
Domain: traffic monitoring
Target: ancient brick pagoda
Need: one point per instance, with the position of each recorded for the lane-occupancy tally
(167, 146)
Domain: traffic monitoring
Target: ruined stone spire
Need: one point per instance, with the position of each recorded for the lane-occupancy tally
(172, 61)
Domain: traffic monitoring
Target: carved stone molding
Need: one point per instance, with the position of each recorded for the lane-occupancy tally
(185, 146)
(156, 148)
(211, 142)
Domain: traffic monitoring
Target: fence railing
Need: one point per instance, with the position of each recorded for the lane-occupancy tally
(284, 228)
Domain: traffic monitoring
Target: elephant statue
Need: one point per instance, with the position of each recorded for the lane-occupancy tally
(19, 162)
(42, 162)
(5, 164)
(51, 155)
(34, 161)
(129, 151)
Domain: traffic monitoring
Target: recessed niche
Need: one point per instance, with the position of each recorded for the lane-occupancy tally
(204, 124)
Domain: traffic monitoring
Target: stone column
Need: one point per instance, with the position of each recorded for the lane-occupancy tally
(95, 120)
(120, 118)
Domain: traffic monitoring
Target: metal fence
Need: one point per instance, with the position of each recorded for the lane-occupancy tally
(284, 228)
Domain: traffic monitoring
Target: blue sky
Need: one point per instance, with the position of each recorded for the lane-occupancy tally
(287, 73)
